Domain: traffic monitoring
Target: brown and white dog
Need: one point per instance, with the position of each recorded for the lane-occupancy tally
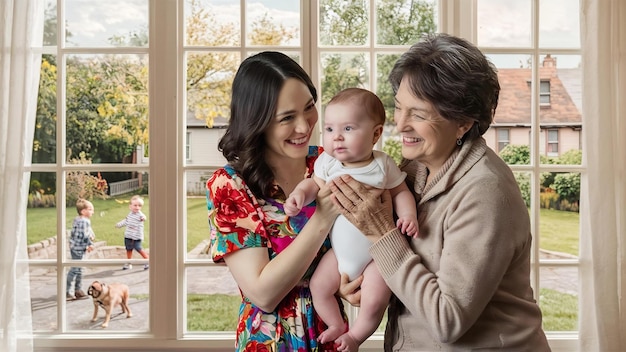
(108, 296)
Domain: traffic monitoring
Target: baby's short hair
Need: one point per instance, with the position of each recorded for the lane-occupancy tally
(365, 99)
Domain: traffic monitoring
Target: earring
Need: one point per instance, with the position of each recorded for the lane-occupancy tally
(459, 142)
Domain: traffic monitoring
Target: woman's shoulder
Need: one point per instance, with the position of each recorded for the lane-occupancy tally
(223, 175)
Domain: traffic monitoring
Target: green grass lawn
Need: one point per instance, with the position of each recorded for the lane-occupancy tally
(559, 232)
(559, 229)
(219, 312)
(560, 310)
(41, 222)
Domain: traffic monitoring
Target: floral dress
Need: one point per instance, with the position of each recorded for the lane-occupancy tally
(237, 220)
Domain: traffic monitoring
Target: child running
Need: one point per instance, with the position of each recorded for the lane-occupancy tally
(133, 235)
(81, 241)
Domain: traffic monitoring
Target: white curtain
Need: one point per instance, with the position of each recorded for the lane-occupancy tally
(21, 36)
(603, 195)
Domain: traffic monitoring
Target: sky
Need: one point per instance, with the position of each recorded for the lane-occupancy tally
(501, 23)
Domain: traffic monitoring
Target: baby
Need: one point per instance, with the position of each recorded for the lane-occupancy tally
(353, 123)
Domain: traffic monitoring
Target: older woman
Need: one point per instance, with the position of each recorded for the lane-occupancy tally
(464, 284)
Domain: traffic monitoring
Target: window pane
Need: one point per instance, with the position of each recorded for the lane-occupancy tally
(209, 79)
(50, 23)
(44, 141)
(212, 23)
(273, 23)
(213, 299)
(106, 23)
(384, 64)
(107, 107)
(41, 215)
(513, 111)
(504, 23)
(43, 294)
(559, 217)
(198, 233)
(563, 114)
(110, 194)
(342, 71)
(404, 23)
(343, 22)
(79, 312)
(558, 296)
(559, 24)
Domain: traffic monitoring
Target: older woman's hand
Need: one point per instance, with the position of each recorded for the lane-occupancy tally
(368, 210)
(351, 290)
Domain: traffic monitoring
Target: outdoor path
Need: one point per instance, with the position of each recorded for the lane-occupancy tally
(203, 280)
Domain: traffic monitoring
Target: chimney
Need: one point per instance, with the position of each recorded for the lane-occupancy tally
(549, 61)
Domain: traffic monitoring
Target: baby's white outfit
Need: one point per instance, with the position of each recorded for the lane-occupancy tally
(350, 245)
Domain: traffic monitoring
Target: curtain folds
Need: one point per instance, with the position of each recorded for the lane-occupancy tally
(21, 36)
(603, 189)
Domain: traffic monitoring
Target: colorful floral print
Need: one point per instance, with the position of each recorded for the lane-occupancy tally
(237, 220)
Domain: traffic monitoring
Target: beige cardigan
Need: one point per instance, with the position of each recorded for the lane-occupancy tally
(464, 283)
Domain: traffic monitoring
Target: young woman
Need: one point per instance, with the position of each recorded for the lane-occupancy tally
(270, 255)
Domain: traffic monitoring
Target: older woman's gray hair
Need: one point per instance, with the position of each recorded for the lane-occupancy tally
(452, 75)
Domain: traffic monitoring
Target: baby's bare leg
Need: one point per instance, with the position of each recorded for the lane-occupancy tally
(324, 283)
(374, 300)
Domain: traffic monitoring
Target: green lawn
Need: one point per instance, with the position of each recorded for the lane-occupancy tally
(219, 312)
(560, 310)
(559, 229)
(559, 232)
(41, 222)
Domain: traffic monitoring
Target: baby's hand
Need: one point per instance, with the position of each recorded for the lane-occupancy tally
(293, 204)
(89, 249)
(408, 226)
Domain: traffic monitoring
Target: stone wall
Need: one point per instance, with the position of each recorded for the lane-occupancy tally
(47, 249)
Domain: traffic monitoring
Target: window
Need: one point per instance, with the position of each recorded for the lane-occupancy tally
(188, 146)
(553, 142)
(555, 83)
(503, 138)
(544, 93)
(103, 125)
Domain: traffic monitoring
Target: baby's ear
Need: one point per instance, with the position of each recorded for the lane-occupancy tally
(378, 131)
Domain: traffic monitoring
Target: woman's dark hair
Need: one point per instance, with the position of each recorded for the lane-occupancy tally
(255, 92)
(454, 76)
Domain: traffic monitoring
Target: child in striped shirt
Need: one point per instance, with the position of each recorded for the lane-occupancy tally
(133, 235)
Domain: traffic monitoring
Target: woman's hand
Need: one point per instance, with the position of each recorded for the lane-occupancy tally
(368, 210)
(350, 290)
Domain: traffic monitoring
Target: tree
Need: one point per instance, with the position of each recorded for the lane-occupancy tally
(265, 31)
(403, 23)
(345, 23)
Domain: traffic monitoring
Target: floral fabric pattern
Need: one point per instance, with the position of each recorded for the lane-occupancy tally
(238, 220)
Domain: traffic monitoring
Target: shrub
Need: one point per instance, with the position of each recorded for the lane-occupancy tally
(40, 200)
(548, 199)
(567, 185)
(394, 149)
(82, 184)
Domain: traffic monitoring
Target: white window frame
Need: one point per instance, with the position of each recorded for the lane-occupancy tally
(167, 174)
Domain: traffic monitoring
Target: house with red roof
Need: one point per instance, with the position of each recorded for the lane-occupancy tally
(559, 115)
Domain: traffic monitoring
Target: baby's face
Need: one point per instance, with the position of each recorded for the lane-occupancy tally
(349, 133)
